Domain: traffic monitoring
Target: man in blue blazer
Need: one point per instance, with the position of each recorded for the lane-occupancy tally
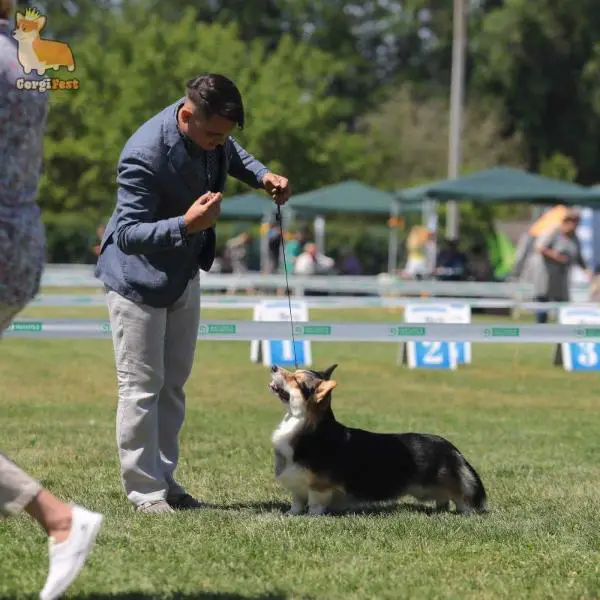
(171, 175)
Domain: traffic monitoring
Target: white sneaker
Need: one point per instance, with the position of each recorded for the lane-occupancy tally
(68, 557)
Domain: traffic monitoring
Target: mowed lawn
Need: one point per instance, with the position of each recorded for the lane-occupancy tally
(529, 428)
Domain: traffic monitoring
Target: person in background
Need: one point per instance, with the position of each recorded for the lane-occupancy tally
(99, 234)
(452, 264)
(293, 248)
(557, 252)
(274, 238)
(594, 294)
(312, 262)
(349, 262)
(416, 249)
(71, 529)
(237, 250)
(480, 267)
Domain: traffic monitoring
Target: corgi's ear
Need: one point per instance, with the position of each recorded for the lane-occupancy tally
(323, 389)
(327, 373)
(20, 17)
(41, 21)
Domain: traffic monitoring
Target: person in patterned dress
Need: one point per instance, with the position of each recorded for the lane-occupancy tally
(71, 529)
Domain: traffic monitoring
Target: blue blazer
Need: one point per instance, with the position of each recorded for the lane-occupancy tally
(145, 254)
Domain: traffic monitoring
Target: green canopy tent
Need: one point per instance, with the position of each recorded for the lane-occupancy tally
(345, 197)
(248, 206)
(503, 184)
(252, 206)
(353, 197)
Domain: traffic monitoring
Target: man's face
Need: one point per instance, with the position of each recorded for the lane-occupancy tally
(206, 133)
(569, 225)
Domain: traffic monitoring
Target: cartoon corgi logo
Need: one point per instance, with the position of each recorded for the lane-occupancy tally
(38, 54)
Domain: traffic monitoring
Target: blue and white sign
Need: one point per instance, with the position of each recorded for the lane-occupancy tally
(461, 313)
(580, 356)
(431, 355)
(281, 352)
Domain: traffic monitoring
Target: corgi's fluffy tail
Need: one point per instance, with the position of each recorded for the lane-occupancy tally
(473, 487)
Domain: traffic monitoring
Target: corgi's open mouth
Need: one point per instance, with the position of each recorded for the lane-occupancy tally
(279, 391)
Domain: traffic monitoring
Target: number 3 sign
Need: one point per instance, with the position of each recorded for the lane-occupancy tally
(579, 356)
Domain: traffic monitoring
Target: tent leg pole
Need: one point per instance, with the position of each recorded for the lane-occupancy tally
(456, 101)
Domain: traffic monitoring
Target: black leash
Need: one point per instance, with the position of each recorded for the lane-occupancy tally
(287, 284)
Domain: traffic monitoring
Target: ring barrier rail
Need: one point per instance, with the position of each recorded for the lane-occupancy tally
(327, 331)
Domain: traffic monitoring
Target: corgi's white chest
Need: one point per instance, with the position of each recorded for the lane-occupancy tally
(27, 56)
(291, 476)
(284, 435)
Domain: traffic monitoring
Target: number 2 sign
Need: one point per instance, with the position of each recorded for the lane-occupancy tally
(432, 355)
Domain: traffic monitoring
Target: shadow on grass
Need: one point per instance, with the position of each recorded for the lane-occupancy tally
(364, 510)
(182, 596)
(158, 596)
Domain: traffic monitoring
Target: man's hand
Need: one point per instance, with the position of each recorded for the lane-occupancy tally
(555, 256)
(278, 187)
(204, 212)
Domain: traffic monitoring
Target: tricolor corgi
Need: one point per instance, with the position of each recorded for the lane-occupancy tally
(327, 466)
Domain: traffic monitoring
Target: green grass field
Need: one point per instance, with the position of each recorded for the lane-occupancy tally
(530, 429)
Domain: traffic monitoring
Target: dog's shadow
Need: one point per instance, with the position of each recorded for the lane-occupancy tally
(362, 510)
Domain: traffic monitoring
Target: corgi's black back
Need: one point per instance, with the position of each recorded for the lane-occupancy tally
(383, 466)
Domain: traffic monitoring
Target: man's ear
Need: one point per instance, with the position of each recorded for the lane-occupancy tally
(323, 389)
(327, 373)
(185, 113)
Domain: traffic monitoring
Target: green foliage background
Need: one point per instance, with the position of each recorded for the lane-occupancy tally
(333, 90)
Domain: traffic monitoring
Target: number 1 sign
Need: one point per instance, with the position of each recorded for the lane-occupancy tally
(280, 352)
(579, 356)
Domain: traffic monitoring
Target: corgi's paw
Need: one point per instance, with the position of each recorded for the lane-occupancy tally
(296, 509)
(317, 510)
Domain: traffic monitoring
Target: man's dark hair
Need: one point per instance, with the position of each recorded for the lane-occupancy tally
(216, 95)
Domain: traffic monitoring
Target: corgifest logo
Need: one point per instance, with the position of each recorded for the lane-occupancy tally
(38, 54)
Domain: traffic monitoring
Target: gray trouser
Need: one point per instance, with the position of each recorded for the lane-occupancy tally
(17, 489)
(154, 352)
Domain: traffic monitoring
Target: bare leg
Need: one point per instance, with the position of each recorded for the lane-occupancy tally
(52, 514)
